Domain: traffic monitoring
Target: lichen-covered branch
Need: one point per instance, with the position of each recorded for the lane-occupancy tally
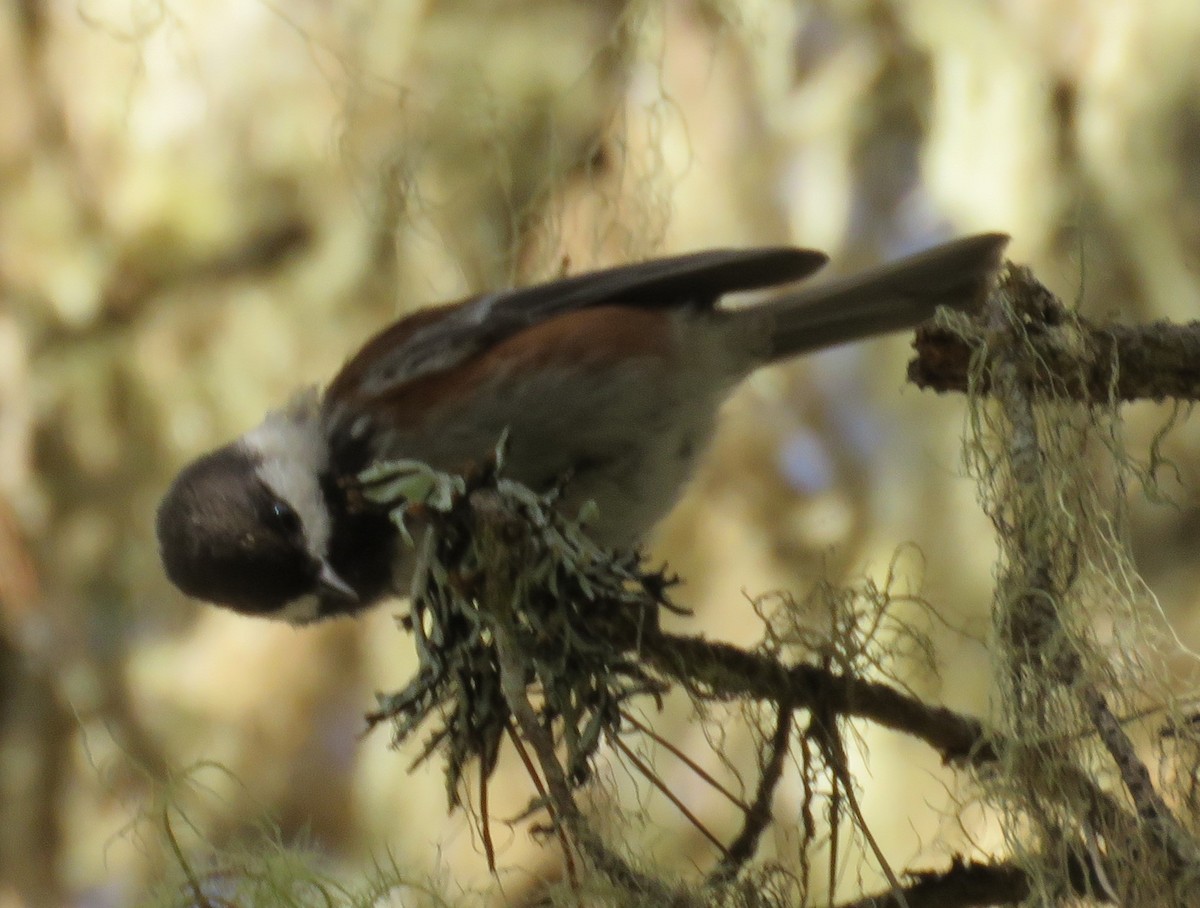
(1047, 656)
(718, 670)
(1099, 364)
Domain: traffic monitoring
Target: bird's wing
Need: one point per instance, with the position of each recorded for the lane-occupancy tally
(438, 339)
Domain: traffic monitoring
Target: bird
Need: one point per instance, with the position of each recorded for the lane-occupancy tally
(614, 377)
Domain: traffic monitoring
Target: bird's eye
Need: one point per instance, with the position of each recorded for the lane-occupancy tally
(282, 517)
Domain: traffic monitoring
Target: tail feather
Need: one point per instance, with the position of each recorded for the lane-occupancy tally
(889, 298)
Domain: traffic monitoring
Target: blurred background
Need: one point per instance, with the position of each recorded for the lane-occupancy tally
(205, 205)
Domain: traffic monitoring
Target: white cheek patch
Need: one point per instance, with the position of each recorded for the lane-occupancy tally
(292, 454)
(304, 610)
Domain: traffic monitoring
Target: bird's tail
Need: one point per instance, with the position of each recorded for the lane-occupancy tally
(892, 297)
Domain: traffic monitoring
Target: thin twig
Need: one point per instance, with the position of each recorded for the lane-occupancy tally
(1147, 801)
(646, 770)
(723, 671)
(512, 680)
(758, 817)
(835, 755)
(193, 882)
(485, 821)
(691, 764)
(544, 797)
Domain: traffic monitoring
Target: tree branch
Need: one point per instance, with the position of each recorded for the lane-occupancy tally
(1116, 362)
(722, 671)
(973, 885)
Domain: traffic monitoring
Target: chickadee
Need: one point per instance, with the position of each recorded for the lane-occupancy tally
(614, 376)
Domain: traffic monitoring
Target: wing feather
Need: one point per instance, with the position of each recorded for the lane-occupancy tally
(436, 339)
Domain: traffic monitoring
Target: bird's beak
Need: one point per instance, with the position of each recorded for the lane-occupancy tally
(329, 582)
